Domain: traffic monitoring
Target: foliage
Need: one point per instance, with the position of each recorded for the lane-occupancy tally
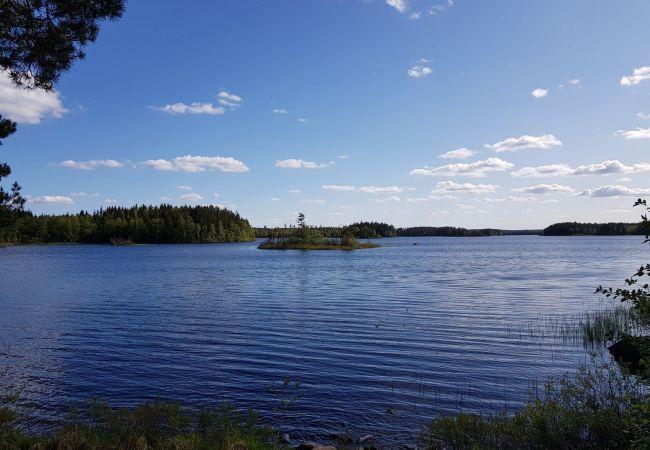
(589, 229)
(448, 231)
(599, 408)
(154, 425)
(12, 203)
(370, 230)
(40, 39)
(138, 224)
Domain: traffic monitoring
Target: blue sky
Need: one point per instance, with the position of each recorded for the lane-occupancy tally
(342, 110)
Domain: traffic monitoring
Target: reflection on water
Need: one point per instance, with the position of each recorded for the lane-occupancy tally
(380, 339)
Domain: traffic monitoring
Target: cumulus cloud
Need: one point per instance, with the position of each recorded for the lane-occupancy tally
(639, 133)
(293, 163)
(614, 191)
(399, 5)
(539, 93)
(92, 164)
(459, 153)
(451, 187)
(230, 100)
(640, 74)
(193, 164)
(28, 105)
(192, 197)
(543, 142)
(476, 169)
(51, 200)
(543, 189)
(192, 108)
(419, 71)
(602, 168)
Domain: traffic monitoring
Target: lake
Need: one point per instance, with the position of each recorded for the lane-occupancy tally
(380, 339)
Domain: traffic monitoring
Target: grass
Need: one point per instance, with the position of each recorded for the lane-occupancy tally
(599, 408)
(156, 425)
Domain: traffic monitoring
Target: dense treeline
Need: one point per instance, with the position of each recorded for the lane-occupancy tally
(603, 229)
(138, 224)
(360, 230)
(447, 231)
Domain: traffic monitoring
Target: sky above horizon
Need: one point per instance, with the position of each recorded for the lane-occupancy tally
(503, 113)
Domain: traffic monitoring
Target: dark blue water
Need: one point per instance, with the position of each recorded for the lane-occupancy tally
(381, 339)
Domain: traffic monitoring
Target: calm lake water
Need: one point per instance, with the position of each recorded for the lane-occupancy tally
(381, 339)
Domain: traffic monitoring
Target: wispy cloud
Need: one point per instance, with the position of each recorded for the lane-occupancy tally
(640, 74)
(437, 9)
(28, 105)
(51, 200)
(293, 163)
(644, 116)
(451, 187)
(194, 164)
(230, 100)
(513, 144)
(540, 189)
(338, 187)
(399, 5)
(192, 197)
(183, 188)
(575, 81)
(459, 153)
(603, 168)
(192, 108)
(92, 164)
(478, 169)
(539, 93)
(639, 133)
(614, 191)
(384, 189)
(302, 120)
(280, 111)
(420, 70)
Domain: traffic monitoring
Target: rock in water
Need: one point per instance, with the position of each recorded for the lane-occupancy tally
(625, 352)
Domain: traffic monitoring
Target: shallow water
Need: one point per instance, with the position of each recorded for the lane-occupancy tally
(381, 339)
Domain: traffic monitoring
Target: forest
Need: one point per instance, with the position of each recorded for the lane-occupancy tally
(587, 229)
(138, 225)
(360, 230)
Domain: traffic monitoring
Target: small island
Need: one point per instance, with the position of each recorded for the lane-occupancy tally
(304, 237)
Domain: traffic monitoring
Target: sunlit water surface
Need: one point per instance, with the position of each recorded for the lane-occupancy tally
(381, 339)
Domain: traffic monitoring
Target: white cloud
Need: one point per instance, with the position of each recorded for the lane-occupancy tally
(183, 188)
(450, 187)
(302, 120)
(476, 169)
(419, 71)
(543, 189)
(639, 133)
(416, 15)
(193, 108)
(338, 187)
(92, 164)
(228, 99)
(298, 164)
(543, 142)
(575, 81)
(384, 189)
(343, 157)
(510, 198)
(614, 191)
(399, 5)
(280, 111)
(391, 199)
(539, 93)
(51, 200)
(28, 105)
(643, 116)
(192, 197)
(640, 74)
(459, 153)
(275, 199)
(602, 168)
(194, 164)
(435, 9)
(294, 191)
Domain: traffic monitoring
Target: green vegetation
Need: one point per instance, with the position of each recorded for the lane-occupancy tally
(360, 230)
(155, 425)
(304, 237)
(600, 408)
(447, 231)
(138, 224)
(594, 229)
